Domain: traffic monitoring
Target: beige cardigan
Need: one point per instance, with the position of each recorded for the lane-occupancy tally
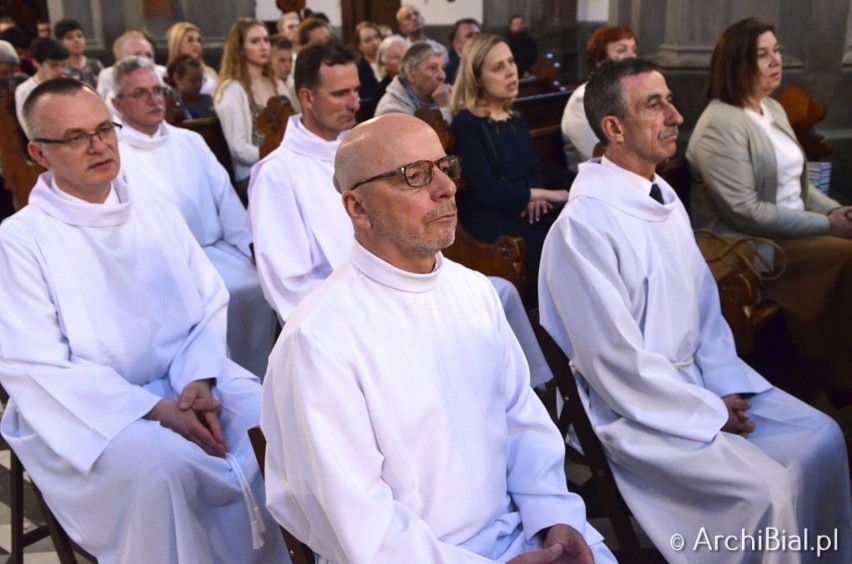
(734, 178)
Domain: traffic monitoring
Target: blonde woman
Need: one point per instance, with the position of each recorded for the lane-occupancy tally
(246, 83)
(184, 38)
(505, 192)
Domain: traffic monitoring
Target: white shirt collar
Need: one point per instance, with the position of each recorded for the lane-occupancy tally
(633, 179)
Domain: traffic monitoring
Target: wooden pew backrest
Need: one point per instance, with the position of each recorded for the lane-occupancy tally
(20, 172)
(273, 121)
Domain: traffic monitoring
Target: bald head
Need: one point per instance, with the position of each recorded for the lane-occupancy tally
(365, 150)
(403, 225)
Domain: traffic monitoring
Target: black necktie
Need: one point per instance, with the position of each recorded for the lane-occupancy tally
(656, 193)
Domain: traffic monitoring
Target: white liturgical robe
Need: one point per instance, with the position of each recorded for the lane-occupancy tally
(401, 426)
(177, 166)
(627, 295)
(106, 309)
(302, 232)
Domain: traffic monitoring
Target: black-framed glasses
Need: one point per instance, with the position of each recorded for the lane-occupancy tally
(419, 173)
(105, 133)
(139, 93)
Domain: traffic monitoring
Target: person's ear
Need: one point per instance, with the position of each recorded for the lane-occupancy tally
(612, 128)
(306, 98)
(35, 151)
(355, 205)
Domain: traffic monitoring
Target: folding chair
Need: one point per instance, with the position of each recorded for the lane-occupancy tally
(20, 540)
(300, 553)
(592, 455)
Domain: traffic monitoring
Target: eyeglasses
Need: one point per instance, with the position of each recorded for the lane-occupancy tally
(139, 93)
(419, 173)
(105, 133)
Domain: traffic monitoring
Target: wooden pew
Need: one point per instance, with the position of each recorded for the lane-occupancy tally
(20, 172)
(804, 111)
(544, 116)
(503, 258)
(209, 128)
(273, 121)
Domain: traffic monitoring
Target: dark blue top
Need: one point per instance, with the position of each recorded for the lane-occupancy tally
(368, 90)
(452, 67)
(499, 166)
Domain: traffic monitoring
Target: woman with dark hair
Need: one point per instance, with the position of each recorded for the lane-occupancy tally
(612, 42)
(504, 192)
(186, 76)
(749, 178)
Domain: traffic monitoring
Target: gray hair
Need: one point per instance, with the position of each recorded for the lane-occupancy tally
(419, 52)
(126, 66)
(386, 44)
(8, 55)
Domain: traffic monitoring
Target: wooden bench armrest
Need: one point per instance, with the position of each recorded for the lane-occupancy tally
(744, 308)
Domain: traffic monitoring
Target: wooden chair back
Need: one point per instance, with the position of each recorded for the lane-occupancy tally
(273, 121)
(543, 113)
(804, 111)
(436, 121)
(211, 130)
(592, 455)
(20, 172)
(546, 69)
(174, 108)
(300, 553)
(21, 539)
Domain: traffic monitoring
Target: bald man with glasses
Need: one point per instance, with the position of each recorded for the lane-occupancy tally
(124, 409)
(400, 422)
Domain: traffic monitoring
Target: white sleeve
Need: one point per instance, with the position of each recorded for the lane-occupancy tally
(232, 214)
(235, 117)
(203, 352)
(576, 128)
(282, 245)
(535, 472)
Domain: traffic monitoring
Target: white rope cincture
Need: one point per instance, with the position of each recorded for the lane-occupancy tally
(255, 516)
(684, 363)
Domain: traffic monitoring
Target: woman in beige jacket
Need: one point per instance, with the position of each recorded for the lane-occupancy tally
(750, 178)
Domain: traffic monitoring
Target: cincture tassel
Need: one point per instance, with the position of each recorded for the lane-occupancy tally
(255, 516)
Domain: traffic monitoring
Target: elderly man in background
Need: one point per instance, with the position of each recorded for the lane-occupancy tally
(8, 65)
(124, 407)
(402, 379)
(421, 82)
(130, 43)
(412, 26)
(177, 166)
